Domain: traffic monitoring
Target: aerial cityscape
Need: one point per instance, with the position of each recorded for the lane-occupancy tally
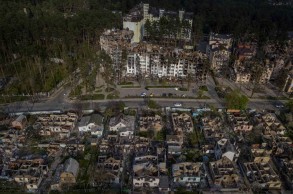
(131, 96)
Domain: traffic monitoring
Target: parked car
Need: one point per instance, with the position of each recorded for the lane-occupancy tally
(177, 104)
(279, 105)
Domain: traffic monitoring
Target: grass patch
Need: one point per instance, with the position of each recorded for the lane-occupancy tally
(10, 99)
(202, 97)
(153, 104)
(277, 98)
(131, 112)
(125, 83)
(76, 91)
(130, 86)
(93, 97)
(112, 96)
(109, 89)
(147, 87)
(183, 89)
(171, 97)
(203, 88)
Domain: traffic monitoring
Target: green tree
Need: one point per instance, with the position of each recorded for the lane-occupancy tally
(236, 100)
(289, 105)
(148, 29)
(153, 104)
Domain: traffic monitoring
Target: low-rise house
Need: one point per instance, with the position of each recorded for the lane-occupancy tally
(286, 169)
(174, 139)
(121, 121)
(20, 122)
(239, 122)
(109, 166)
(225, 175)
(260, 150)
(146, 182)
(73, 147)
(187, 174)
(182, 123)
(83, 124)
(212, 128)
(56, 124)
(261, 173)
(92, 124)
(272, 126)
(29, 172)
(224, 148)
(147, 123)
(70, 173)
(126, 132)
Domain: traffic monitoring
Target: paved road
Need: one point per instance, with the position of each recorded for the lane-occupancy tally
(59, 103)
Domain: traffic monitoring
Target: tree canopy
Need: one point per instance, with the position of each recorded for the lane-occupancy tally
(236, 100)
(35, 33)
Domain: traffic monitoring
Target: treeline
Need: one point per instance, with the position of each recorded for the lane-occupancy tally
(238, 17)
(167, 28)
(33, 32)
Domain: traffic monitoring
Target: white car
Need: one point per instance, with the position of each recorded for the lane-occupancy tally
(177, 104)
(176, 88)
(279, 106)
(143, 94)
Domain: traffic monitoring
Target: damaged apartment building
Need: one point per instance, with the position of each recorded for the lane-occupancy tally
(247, 68)
(219, 51)
(135, 20)
(147, 60)
(133, 58)
(114, 42)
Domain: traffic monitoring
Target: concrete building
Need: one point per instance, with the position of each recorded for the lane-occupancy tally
(187, 174)
(147, 123)
(146, 181)
(182, 123)
(239, 122)
(92, 124)
(120, 122)
(113, 42)
(147, 60)
(134, 21)
(225, 175)
(244, 71)
(261, 172)
(219, 50)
